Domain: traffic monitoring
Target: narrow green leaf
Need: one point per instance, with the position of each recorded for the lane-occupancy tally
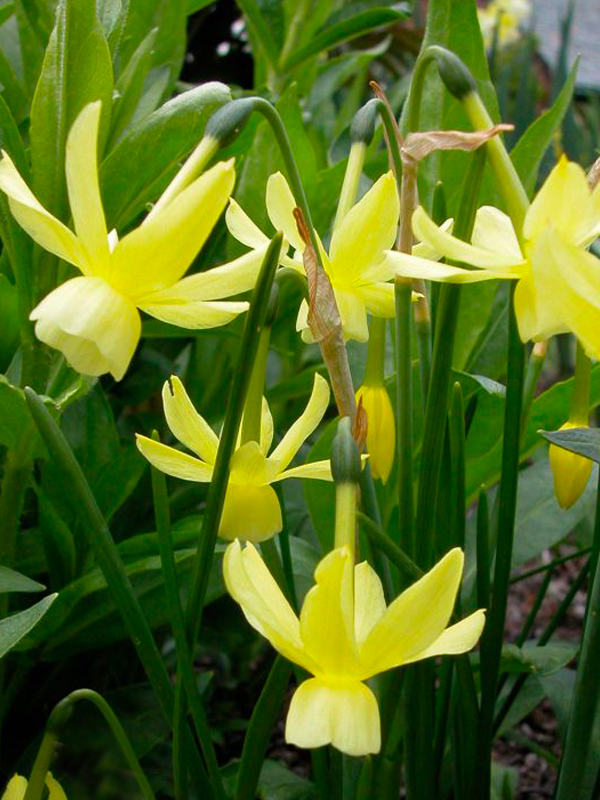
(530, 149)
(77, 70)
(13, 629)
(12, 581)
(344, 31)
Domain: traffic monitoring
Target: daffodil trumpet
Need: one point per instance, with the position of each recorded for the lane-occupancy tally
(252, 471)
(571, 472)
(346, 634)
(93, 319)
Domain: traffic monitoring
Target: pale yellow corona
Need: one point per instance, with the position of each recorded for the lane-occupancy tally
(346, 634)
(251, 511)
(93, 319)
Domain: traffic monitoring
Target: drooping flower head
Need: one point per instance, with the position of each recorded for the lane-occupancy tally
(93, 319)
(355, 263)
(345, 634)
(251, 509)
(570, 471)
(558, 288)
(381, 428)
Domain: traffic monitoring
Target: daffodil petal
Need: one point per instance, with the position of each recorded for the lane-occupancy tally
(369, 601)
(564, 201)
(318, 470)
(572, 274)
(304, 425)
(280, 208)
(415, 619)
(354, 315)
(266, 427)
(174, 462)
(196, 315)
(156, 254)
(458, 638)
(16, 788)
(248, 465)
(493, 230)
(81, 167)
(242, 228)
(449, 246)
(43, 228)
(253, 587)
(250, 512)
(233, 278)
(406, 266)
(55, 790)
(186, 424)
(346, 717)
(369, 228)
(381, 429)
(424, 250)
(327, 616)
(95, 327)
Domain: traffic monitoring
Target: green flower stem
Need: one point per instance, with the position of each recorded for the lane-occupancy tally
(262, 722)
(41, 765)
(375, 352)
(580, 399)
(586, 694)
(441, 375)
(286, 554)
(396, 555)
(463, 731)
(356, 160)
(456, 428)
(346, 497)
(61, 713)
(176, 619)
(370, 504)
(110, 564)
(532, 374)
(237, 397)
(253, 405)
(491, 640)
(483, 550)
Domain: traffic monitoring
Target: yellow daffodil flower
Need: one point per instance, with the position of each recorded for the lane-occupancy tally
(571, 472)
(17, 786)
(558, 289)
(93, 319)
(355, 263)
(251, 509)
(346, 634)
(381, 429)
(507, 15)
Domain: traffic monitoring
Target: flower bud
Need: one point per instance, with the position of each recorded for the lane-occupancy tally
(381, 430)
(571, 472)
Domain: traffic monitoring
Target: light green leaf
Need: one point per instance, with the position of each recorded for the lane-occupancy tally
(12, 581)
(583, 441)
(539, 660)
(77, 70)
(16, 627)
(531, 147)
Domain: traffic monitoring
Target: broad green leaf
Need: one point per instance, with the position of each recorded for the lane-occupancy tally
(542, 661)
(505, 781)
(344, 31)
(277, 782)
(13, 92)
(117, 480)
(12, 581)
(142, 164)
(541, 523)
(16, 627)
(484, 442)
(77, 70)
(197, 5)
(9, 314)
(529, 151)
(530, 696)
(129, 87)
(583, 441)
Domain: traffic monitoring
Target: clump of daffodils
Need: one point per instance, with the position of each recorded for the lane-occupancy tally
(93, 319)
(505, 16)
